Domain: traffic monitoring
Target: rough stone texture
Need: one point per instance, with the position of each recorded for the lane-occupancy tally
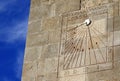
(53, 52)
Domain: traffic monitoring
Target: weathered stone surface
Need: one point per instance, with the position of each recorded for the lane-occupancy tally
(51, 23)
(49, 51)
(42, 9)
(116, 52)
(63, 6)
(54, 36)
(34, 27)
(32, 53)
(34, 14)
(51, 65)
(60, 47)
(30, 71)
(41, 67)
(117, 38)
(117, 23)
(37, 39)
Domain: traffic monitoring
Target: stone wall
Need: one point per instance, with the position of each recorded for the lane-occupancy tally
(44, 58)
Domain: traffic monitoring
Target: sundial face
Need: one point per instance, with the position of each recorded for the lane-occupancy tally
(86, 45)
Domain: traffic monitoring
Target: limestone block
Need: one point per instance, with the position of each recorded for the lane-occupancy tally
(28, 78)
(52, 10)
(41, 67)
(51, 23)
(51, 65)
(117, 53)
(35, 13)
(117, 23)
(53, 50)
(74, 78)
(111, 11)
(110, 24)
(92, 68)
(34, 27)
(116, 71)
(110, 38)
(105, 66)
(44, 1)
(35, 3)
(51, 77)
(51, 4)
(115, 0)
(117, 38)
(37, 39)
(63, 6)
(54, 36)
(41, 78)
(39, 12)
(116, 8)
(43, 9)
(93, 76)
(32, 53)
(47, 1)
(29, 71)
(49, 51)
(119, 8)
(85, 3)
(92, 3)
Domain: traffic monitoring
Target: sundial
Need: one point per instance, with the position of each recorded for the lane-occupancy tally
(85, 42)
(73, 40)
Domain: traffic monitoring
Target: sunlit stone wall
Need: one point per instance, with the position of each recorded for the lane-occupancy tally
(45, 53)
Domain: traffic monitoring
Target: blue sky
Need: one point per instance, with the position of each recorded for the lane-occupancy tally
(13, 30)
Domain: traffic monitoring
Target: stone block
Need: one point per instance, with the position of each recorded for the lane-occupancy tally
(116, 8)
(110, 39)
(51, 77)
(51, 65)
(74, 78)
(117, 23)
(119, 8)
(41, 67)
(92, 68)
(35, 3)
(49, 51)
(32, 53)
(45, 1)
(117, 53)
(63, 6)
(110, 24)
(50, 2)
(48, 77)
(51, 23)
(105, 66)
(37, 39)
(42, 9)
(29, 71)
(92, 3)
(34, 27)
(111, 12)
(39, 12)
(34, 14)
(116, 37)
(28, 78)
(54, 36)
